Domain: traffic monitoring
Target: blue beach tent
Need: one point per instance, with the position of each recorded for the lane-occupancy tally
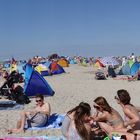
(130, 69)
(135, 68)
(58, 69)
(126, 69)
(20, 68)
(72, 61)
(35, 83)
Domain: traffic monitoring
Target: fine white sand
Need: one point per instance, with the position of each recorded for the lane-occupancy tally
(78, 84)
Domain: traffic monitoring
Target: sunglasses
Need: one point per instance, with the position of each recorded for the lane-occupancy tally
(97, 107)
(38, 101)
(116, 98)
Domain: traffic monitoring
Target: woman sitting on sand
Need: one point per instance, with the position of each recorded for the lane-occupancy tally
(108, 118)
(76, 124)
(132, 116)
(35, 118)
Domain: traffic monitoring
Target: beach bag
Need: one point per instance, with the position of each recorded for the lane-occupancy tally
(23, 99)
(18, 96)
(100, 75)
(38, 120)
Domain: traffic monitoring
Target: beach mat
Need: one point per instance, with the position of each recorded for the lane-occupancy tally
(54, 122)
(10, 105)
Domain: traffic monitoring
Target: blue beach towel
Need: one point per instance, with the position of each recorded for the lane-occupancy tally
(54, 122)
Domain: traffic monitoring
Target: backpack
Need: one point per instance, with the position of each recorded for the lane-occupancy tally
(19, 96)
(23, 99)
(100, 75)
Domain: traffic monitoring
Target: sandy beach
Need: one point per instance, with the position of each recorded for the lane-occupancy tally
(76, 85)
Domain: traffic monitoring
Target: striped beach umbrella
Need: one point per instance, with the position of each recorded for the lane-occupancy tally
(109, 61)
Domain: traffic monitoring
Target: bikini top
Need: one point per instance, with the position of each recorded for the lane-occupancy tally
(115, 122)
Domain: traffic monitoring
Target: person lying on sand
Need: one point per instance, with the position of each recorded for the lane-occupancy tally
(136, 77)
(35, 118)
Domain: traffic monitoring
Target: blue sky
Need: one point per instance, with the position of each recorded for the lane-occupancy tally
(69, 27)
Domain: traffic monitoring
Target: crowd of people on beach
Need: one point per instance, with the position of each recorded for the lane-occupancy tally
(80, 124)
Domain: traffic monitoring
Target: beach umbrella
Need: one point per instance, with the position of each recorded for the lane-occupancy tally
(109, 61)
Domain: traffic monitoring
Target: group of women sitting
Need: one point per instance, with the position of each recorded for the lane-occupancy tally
(78, 124)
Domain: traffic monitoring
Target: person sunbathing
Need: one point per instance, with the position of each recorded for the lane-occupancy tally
(107, 117)
(132, 117)
(76, 124)
(129, 78)
(35, 118)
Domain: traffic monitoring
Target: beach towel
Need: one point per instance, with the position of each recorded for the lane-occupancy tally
(36, 138)
(10, 105)
(54, 122)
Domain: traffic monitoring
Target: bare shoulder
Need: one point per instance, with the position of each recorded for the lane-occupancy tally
(47, 105)
(71, 115)
(129, 109)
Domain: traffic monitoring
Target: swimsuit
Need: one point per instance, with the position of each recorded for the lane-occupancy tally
(115, 122)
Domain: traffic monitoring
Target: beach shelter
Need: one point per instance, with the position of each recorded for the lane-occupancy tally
(72, 61)
(130, 62)
(98, 64)
(130, 69)
(20, 68)
(126, 69)
(6, 65)
(35, 83)
(42, 69)
(47, 64)
(109, 61)
(134, 68)
(63, 63)
(84, 62)
(55, 68)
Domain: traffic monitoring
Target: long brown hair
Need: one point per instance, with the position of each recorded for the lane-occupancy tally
(101, 101)
(124, 97)
(81, 110)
